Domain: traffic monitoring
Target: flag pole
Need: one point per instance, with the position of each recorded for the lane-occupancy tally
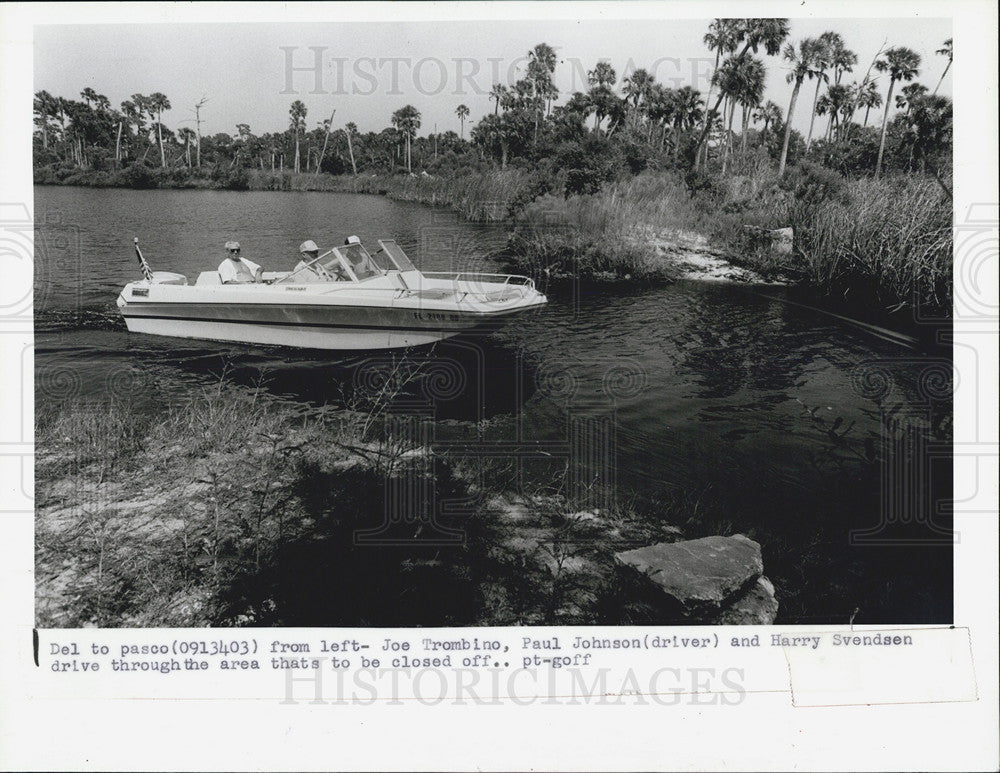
(146, 270)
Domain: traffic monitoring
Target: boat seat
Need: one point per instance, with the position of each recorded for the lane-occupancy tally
(435, 295)
(209, 278)
(169, 278)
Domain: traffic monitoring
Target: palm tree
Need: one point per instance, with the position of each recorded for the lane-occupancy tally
(902, 64)
(909, 95)
(659, 110)
(157, 103)
(297, 113)
(769, 113)
(768, 34)
(407, 121)
(350, 130)
(930, 126)
(868, 96)
(636, 87)
(497, 93)
(541, 66)
(946, 50)
(687, 113)
(601, 94)
(603, 74)
(462, 112)
(803, 63)
(46, 108)
(836, 103)
(722, 38)
(751, 77)
(843, 60)
(140, 103)
(186, 134)
(828, 43)
(741, 81)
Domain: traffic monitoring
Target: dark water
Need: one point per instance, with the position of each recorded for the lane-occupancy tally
(719, 394)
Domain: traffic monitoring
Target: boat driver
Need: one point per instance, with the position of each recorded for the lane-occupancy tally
(309, 269)
(359, 262)
(238, 270)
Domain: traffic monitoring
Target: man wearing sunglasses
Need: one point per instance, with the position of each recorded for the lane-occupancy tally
(238, 270)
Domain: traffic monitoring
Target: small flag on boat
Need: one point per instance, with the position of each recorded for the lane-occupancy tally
(146, 270)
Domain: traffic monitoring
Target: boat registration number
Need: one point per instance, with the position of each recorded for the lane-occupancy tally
(437, 316)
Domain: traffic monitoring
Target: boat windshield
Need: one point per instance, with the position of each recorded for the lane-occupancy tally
(357, 257)
(347, 263)
(396, 255)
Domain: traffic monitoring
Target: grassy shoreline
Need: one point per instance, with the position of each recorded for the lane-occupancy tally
(231, 508)
(882, 244)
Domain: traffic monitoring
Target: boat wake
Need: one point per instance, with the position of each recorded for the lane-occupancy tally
(64, 320)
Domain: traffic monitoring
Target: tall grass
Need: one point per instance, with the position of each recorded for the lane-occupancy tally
(627, 210)
(892, 236)
(885, 241)
(609, 236)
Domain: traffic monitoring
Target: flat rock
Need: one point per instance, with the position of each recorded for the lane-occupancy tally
(701, 574)
(757, 606)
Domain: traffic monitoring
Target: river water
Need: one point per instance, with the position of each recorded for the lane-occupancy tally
(712, 395)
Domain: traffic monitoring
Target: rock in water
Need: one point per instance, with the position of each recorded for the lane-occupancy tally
(701, 575)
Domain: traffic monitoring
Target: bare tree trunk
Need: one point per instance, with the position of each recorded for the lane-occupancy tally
(812, 117)
(788, 128)
(708, 115)
(159, 137)
(350, 152)
(118, 146)
(729, 136)
(885, 126)
(942, 77)
(326, 139)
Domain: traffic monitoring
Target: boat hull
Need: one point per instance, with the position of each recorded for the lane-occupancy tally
(292, 335)
(181, 313)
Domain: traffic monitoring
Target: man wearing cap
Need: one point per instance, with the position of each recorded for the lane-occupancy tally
(309, 268)
(238, 270)
(359, 262)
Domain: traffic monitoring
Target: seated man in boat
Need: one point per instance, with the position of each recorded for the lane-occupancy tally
(360, 264)
(309, 269)
(238, 270)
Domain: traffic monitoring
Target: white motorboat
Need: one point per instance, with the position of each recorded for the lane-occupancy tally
(343, 299)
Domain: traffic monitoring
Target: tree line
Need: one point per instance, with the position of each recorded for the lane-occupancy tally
(632, 122)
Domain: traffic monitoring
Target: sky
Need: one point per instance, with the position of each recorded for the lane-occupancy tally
(251, 72)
